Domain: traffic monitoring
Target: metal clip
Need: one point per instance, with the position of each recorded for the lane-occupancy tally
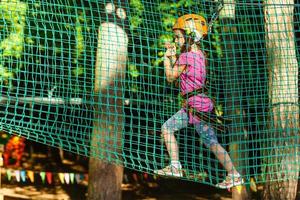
(215, 15)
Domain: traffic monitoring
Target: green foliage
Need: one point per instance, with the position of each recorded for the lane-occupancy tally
(216, 42)
(78, 71)
(66, 37)
(12, 15)
(5, 73)
(136, 19)
(79, 49)
(133, 71)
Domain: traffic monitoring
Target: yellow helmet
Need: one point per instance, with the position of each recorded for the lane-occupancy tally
(192, 22)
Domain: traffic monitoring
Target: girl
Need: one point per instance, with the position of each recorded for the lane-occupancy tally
(189, 67)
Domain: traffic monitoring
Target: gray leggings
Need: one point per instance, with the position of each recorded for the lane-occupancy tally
(180, 120)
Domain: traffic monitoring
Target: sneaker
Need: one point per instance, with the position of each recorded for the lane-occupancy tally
(170, 170)
(230, 181)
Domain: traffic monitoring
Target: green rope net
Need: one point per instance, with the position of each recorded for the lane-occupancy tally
(88, 77)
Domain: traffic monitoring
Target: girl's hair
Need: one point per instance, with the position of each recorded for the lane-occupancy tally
(189, 41)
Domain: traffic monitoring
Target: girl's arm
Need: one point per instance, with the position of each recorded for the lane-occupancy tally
(172, 72)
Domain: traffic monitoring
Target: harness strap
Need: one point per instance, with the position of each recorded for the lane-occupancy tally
(194, 93)
(217, 122)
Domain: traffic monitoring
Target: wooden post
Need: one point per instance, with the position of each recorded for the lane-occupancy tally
(282, 162)
(105, 176)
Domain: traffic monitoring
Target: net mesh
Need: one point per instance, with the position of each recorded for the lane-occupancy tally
(88, 77)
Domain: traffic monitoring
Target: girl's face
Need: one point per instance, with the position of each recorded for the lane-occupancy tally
(179, 38)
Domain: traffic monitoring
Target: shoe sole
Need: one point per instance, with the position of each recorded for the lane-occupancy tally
(232, 185)
(169, 175)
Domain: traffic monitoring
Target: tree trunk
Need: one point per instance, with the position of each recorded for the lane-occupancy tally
(233, 79)
(282, 166)
(105, 177)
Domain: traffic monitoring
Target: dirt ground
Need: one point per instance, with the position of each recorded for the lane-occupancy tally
(141, 188)
(162, 190)
(135, 186)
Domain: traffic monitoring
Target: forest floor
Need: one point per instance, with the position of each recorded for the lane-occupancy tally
(182, 190)
(136, 185)
(161, 189)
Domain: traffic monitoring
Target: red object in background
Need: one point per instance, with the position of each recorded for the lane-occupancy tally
(49, 177)
(13, 151)
(145, 176)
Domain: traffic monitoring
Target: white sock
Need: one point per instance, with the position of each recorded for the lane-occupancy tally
(176, 164)
(234, 175)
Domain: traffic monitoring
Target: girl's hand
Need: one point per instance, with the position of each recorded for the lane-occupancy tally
(171, 49)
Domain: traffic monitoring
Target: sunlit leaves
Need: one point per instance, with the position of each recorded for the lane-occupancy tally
(136, 17)
(219, 110)
(12, 46)
(79, 39)
(133, 71)
(217, 40)
(4, 74)
(13, 14)
(78, 71)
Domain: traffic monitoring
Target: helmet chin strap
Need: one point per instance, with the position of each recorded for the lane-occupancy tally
(198, 35)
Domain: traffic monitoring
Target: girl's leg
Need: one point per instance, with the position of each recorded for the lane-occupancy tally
(171, 144)
(233, 177)
(210, 140)
(222, 155)
(175, 123)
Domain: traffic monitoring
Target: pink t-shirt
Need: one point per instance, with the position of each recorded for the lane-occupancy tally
(193, 78)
